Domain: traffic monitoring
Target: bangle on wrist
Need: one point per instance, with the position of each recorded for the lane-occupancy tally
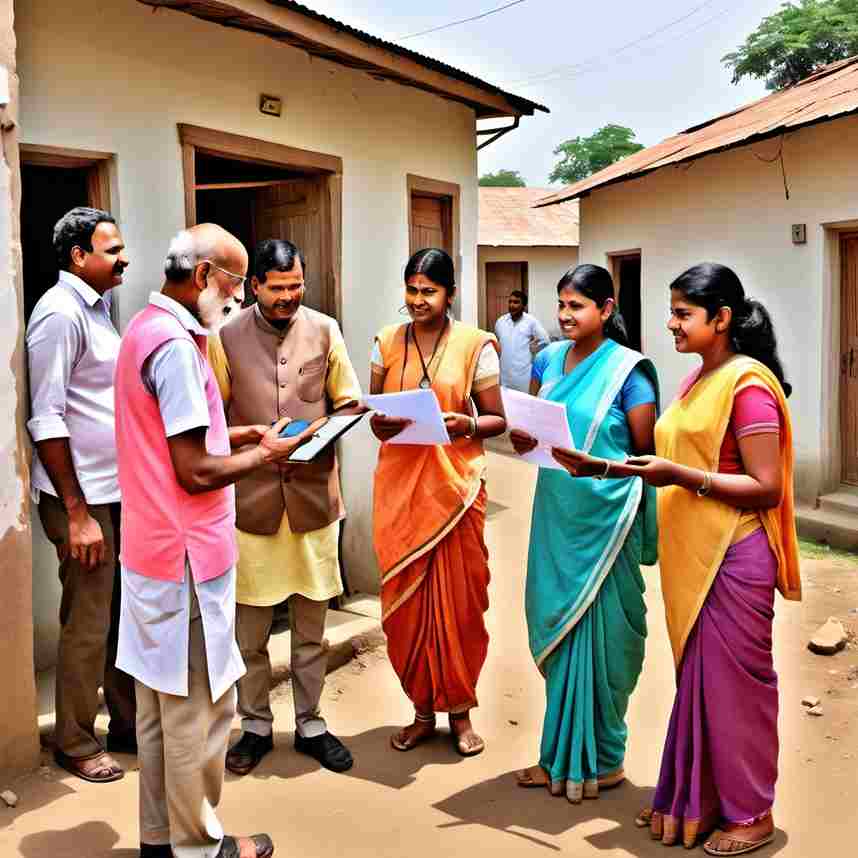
(706, 487)
(472, 427)
(606, 471)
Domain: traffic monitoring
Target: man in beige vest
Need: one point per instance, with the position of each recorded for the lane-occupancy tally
(278, 359)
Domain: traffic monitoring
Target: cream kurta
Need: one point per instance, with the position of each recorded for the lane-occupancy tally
(273, 567)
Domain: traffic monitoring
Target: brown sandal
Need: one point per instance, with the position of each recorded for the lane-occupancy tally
(400, 742)
(110, 769)
(743, 846)
(524, 778)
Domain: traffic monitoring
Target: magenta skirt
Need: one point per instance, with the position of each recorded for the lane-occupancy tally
(720, 762)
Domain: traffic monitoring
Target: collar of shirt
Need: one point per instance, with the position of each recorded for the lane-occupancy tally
(89, 295)
(188, 320)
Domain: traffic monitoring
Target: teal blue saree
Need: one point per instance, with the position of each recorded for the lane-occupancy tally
(584, 595)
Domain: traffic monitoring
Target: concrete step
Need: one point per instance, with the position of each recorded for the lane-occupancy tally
(354, 628)
(831, 525)
(844, 501)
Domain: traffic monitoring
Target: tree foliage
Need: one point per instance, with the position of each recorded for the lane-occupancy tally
(583, 156)
(796, 41)
(502, 179)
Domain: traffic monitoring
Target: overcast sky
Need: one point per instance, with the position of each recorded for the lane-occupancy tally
(572, 57)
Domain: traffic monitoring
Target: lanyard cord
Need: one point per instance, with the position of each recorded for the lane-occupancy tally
(423, 364)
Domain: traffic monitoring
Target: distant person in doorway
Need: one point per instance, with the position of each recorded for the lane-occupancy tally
(277, 359)
(177, 625)
(72, 347)
(429, 505)
(520, 336)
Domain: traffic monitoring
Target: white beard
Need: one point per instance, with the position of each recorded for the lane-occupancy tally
(211, 305)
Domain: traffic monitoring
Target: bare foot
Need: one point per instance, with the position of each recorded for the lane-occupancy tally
(468, 743)
(739, 839)
(411, 736)
(534, 776)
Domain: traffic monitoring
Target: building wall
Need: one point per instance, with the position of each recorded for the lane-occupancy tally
(545, 267)
(19, 745)
(121, 81)
(731, 208)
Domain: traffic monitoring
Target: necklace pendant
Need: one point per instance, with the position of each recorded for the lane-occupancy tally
(425, 384)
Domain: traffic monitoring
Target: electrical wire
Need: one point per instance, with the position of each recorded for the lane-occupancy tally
(551, 73)
(462, 21)
(596, 65)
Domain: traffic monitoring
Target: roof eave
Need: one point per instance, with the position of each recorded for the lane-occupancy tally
(291, 23)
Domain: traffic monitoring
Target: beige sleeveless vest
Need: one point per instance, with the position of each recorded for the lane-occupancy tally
(278, 374)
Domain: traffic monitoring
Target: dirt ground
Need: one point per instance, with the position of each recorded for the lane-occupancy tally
(432, 802)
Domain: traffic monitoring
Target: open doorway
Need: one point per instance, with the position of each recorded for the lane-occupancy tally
(626, 270)
(261, 190)
(54, 180)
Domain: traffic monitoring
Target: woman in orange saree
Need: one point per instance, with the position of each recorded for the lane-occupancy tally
(429, 505)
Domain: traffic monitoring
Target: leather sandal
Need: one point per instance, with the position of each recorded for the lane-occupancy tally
(401, 741)
(524, 778)
(106, 770)
(742, 847)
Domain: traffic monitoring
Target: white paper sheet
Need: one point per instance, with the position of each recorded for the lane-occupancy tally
(544, 420)
(422, 407)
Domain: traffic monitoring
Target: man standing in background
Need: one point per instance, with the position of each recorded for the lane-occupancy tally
(520, 336)
(72, 347)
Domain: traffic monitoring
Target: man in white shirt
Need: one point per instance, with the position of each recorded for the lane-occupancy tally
(177, 625)
(520, 336)
(72, 347)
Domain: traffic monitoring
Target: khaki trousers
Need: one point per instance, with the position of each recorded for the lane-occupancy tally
(182, 745)
(89, 628)
(308, 663)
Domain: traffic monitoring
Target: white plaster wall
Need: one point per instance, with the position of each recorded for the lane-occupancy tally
(730, 208)
(123, 85)
(545, 267)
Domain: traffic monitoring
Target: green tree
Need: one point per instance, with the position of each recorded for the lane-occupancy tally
(502, 179)
(583, 156)
(794, 42)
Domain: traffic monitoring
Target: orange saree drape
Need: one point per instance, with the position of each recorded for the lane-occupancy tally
(429, 514)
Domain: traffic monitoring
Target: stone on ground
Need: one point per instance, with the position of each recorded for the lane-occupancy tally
(810, 702)
(9, 797)
(829, 638)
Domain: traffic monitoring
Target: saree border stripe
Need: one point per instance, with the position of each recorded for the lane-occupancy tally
(630, 360)
(603, 567)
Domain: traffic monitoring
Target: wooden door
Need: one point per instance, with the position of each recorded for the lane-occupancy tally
(849, 358)
(501, 279)
(431, 223)
(293, 210)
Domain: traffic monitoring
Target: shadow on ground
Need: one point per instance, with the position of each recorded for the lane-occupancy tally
(90, 839)
(526, 813)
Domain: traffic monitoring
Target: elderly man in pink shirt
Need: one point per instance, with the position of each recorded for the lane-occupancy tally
(178, 551)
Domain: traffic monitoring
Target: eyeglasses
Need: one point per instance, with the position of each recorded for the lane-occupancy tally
(239, 280)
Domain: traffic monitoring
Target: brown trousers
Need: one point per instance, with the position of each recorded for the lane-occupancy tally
(183, 742)
(89, 628)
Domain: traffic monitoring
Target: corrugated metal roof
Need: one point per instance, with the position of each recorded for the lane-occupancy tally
(235, 15)
(829, 94)
(508, 219)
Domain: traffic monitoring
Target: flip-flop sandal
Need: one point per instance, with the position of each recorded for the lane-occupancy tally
(745, 847)
(466, 750)
(524, 779)
(71, 765)
(399, 745)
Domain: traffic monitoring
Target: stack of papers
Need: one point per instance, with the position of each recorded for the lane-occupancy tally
(422, 407)
(544, 420)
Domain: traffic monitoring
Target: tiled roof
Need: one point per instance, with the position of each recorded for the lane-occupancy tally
(507, 218)
(829, 94)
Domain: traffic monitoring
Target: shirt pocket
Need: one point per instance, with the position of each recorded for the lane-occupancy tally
(311, 379)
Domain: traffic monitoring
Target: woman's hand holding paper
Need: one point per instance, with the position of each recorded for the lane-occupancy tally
(384, 427)
(522, 442)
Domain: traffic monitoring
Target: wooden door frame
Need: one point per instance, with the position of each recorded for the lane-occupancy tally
(842, 238)
(425, 187)
(237, 147)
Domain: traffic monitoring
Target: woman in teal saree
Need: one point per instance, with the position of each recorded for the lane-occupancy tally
(584, 595)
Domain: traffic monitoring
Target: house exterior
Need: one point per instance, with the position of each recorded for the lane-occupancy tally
(166, 112)
(770, 190)
(522, 247)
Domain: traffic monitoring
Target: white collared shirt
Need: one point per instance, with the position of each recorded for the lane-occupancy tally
(72, 347)
(155, 615)
(516, 358)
